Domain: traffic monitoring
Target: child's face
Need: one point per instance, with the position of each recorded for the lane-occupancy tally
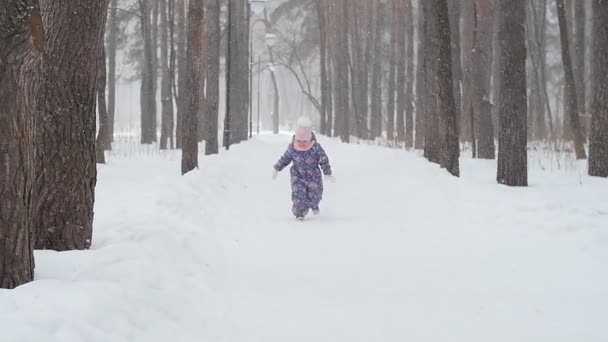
(302, 143)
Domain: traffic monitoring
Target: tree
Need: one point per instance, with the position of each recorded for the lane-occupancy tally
(482, 59)
(420, 79)
(512, 136)
(448, 130)
(195, 62)
(112, 47)
(148, 77)
(213, 74)
(376, 90)
(320, 7)
(21, 44)
(598, 142)
(401, 67)
(66, 174)
(166, 98)
(392, 71)
(571, 97)
(182, 69)
(409, 85)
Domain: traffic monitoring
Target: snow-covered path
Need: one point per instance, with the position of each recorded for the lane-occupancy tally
(400, 252)
(404, 252)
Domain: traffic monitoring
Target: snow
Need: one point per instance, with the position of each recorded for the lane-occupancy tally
(401, 251)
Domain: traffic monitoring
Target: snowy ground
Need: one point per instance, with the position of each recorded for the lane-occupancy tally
(400, 252)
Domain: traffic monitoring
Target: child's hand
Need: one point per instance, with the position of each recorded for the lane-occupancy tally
(330, 178)
(274, 174)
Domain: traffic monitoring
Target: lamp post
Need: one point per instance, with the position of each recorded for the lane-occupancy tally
(256, 7)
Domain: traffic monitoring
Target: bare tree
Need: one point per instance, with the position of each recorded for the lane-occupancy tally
(598, 142)
(213, 74)
(21, 44)
(194, 56)
(392, 73)
(66, 173)
(448, 130)
(512, 137)
(575, 123)
(482, 59)
(148, 77)
(112, 48)
(420, 79)
(182, 69)
(376, 86)
(166, 98)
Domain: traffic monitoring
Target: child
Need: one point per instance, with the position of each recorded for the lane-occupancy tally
(306, 181)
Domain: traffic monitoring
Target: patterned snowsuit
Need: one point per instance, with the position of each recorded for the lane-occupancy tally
(306, 178)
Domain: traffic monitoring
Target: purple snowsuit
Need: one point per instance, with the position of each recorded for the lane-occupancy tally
(306, 178)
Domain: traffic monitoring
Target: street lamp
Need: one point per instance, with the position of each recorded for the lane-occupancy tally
(257, 6)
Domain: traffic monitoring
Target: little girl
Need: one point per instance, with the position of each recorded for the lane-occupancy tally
(307, 155)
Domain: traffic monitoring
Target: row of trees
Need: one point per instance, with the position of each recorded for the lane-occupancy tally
(385, 74)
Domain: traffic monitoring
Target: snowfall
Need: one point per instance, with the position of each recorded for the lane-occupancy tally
(401, 251)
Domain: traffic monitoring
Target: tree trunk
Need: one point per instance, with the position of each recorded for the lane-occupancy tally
(409, 85)
(66, 174)
(482, 57)
(322, 63)
(213, 74)
(454, 17)
(420, 80)
(580, 20)
(575, 124)
(148, 88)
(392, 72)
(182, 70)
(340, 66)
(431, 106)
(194, 56)
(103, 137)
(401, 68)
(598, 142)
(112, 49)
(512, 137)
(166, 133)
(376, 91)
(448, 130)
(21, 43)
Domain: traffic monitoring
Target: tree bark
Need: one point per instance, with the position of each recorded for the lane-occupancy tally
(21, 45)
(409, 85)
(420, 80)
(512, 137)
(194, 56)
(598, 142)
(448, 130)
(376, 93)
(482, 57)
(392, 72)
(431, 106)
(66, 174)
(575, 123)
(148, 85)
(166, 133)
(182, 69)
(401, 68)
(213, 75)
(323, 63)
(112, 50)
